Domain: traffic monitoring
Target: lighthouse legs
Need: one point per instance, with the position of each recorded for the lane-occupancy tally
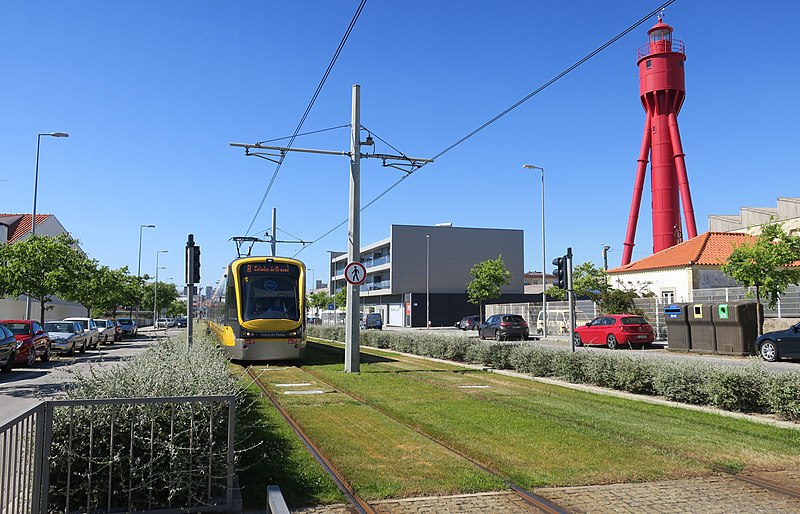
(683, 179)
(636, 202)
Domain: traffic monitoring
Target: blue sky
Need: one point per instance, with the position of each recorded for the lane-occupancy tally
(152, 93)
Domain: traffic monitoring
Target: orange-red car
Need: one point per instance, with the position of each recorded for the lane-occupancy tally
(615, 330)
(32, 340)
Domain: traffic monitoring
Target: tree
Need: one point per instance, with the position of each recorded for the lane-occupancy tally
(319, 300)
(488, 277)
(176, 309)
(166, 295)
(765, 263)
(589, 281)
(340, 298)
(41, 267)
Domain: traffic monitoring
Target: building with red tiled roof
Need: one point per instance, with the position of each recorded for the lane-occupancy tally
(17, 227)
(672, 274)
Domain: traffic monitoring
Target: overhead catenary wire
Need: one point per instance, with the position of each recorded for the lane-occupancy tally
(308, 109)
(303, 134)
(524, 99)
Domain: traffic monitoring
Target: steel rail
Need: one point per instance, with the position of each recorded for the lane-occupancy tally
(769, 486)
(347, 490)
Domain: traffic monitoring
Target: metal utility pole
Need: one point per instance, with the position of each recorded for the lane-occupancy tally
(189, 286)
(352, 334)
(427, 281)
(352, 357)
(273, 238)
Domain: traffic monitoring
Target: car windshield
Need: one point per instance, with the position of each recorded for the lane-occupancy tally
(59, 327)
(270, 292)
(84, 323)
(124, 321)
(634, 320)
(18, 328)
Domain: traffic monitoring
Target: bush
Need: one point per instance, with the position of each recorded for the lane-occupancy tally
(783, 395)
(635, 375)
(571, 366)
(683, 382)
(738, 389)
(600, 370)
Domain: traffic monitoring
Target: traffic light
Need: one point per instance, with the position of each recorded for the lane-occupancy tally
(195, 264)
(560, 272)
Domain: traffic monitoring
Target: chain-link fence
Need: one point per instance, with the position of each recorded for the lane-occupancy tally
(788, 304)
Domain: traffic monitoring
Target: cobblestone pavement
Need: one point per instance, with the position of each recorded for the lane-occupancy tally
(709, 495)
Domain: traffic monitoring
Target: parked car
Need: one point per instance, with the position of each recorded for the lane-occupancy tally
(90, 328)
(558, 321)
(32, 340)
(181, 322)
(117, 330)
(106, 330)
(8, 345)
(469, 323)
(614, 330)
(66, 336)
(504, 326)
(372, 320)
(162, 323)
(128, 327)
(773, 346)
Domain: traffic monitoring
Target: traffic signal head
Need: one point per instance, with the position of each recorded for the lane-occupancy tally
(560, 272)
(195, 265)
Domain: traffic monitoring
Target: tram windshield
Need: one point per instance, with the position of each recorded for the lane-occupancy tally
(270, 291)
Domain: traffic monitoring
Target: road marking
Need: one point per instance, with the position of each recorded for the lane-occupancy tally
(308, 391)
(301, 384)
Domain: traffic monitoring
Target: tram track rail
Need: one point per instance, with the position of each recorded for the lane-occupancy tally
(539, 502)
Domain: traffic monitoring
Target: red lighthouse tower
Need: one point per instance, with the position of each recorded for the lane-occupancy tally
(662, 90)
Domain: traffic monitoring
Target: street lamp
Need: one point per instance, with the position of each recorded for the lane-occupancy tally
(313, 278)
(427, 281)
(139, 264)
(155, 290)
(35, 191)
(544, 278)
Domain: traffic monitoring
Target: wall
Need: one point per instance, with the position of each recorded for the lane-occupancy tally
(453, 252)
(678, 280)
(11, 308)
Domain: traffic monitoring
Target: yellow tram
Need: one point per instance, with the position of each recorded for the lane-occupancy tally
(258, 309)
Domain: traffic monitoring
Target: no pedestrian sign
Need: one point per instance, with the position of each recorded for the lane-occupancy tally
(355, 273)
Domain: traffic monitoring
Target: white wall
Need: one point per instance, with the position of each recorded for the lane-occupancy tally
(678, 280)
(12, 308)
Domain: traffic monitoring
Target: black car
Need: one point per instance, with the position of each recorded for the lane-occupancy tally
(469, 323)
(782, 343)
(8, 345)
(504, 326)
(181, 322)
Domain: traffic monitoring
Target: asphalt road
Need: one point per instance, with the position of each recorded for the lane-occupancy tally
(24, 387)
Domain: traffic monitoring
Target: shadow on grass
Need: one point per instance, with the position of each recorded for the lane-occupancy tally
(269, 453)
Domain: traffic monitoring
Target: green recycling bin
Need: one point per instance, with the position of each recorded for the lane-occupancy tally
(701, 328)
(736, 325)
(679, 337)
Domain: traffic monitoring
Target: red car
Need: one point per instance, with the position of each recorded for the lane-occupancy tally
(615, 330)
(32, 340)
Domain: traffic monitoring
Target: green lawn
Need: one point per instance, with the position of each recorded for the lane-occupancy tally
(532, 433)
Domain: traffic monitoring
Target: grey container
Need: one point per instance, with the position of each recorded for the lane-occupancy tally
(701, 327)
(679, 337)
(736, 325)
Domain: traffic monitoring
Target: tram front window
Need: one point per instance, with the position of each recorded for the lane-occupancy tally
(269, 291)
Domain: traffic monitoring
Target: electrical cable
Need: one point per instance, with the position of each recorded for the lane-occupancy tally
(308, 109)
(303, 134)
(508, 110)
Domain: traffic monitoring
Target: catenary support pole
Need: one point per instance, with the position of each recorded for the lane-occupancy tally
(352, 335)
(571, 295)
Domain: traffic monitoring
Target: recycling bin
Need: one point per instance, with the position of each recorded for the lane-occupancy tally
(701, 328)
(679, 337)
(736, 325)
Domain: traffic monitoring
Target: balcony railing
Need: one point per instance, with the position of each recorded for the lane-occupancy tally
(661, 46)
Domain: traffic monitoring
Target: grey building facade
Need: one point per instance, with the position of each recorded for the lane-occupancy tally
(415, 260)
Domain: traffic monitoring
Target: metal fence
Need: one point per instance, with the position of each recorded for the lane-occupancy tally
(134, 455)
(788, 304)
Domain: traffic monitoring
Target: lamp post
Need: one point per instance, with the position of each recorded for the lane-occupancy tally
(427, 280)
(139, 264)
(544, 278)
(313, 278)
(155, 291)
(35, 193)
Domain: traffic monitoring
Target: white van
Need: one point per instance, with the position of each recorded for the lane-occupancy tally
(558, 321)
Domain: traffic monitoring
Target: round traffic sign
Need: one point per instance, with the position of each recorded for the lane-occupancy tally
(355, 273)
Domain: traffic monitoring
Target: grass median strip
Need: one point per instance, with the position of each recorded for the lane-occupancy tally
(538, 434)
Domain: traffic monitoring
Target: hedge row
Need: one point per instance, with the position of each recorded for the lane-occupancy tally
(742, 389)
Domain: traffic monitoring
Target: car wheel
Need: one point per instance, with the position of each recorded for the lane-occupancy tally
(576, 339)
(539, 331)
(524, 337)
(497, 336)
(31, 356)
(83, 347)
(611, 342)
(46, 354)
(480, 335)
(768, 351)
(10, 362)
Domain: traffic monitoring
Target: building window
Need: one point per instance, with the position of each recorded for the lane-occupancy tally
(648, 64)
(668, 297)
